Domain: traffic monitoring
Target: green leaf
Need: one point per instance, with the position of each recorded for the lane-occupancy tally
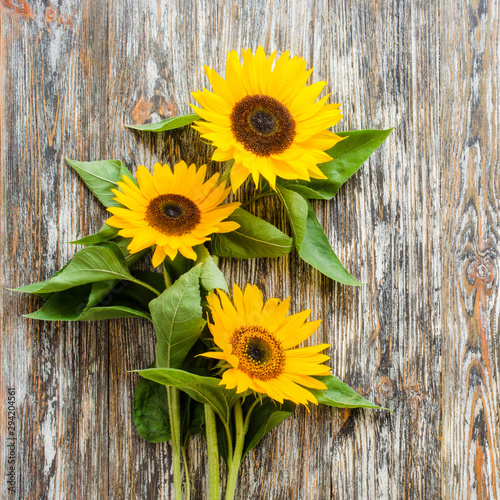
(91, 264)
(348, 156)
(102, 300)
(340, 395)
(264, 418)
(113, 312)
(177, 317)
(211, 277)
(296, 208)
(106, 233)
(317, 251)
(254, 238)
(102, 176)
(205, 390)
(168, 124)
(64, 306)
(310, 240)
(150, 411)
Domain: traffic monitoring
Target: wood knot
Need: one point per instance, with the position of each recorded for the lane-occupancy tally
(50, 14)
(19, 7)
(166, 109)
(385, 390)
(158, 105)
(142, 111)
(64, 20)
(480, 270)
(53, 14)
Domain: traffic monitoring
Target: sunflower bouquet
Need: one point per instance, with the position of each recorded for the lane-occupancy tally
(230, 369)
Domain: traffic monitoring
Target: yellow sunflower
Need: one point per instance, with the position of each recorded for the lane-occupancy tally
(266, 118)
(256, 341)
(173, 210)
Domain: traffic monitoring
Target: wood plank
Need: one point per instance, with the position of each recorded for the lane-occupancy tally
(470, 222)
(51, 107)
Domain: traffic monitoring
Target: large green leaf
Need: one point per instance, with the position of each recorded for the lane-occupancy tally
(310, 240)
(205, 390)
(101, 176)
(348, 156)
(64, 306)
(317, 251)
(167, 124)
(150, 411)
(254, 238)
(340, 395)
(264, 418)
(91, 264)
(102, 300)
(178, 319)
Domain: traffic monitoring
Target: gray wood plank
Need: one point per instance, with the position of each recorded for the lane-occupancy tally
(470, 237)
(52, 100)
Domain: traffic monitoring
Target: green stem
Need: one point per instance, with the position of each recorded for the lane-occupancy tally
(186, 473)
(175, 429)
(229, 445)
(256, 197)
(227, 172)
(166, 277)
(241, 431)
(149, 287)
(213, 455)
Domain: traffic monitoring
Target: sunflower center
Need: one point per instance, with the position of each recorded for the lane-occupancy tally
(259, 352)
(263, 125)
(263, 122)
(173, 210)
(173, 214)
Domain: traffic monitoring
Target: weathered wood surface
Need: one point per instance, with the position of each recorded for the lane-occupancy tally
(419, 224)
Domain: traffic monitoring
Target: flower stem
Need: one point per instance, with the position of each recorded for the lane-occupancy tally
(256, 197)
(149, 287)
(186, 473)
(175, 429)
(232, 477)
(213, 455)
(241, 432)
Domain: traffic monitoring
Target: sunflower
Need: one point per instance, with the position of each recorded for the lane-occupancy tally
(174, 211)
(256, 341)
(268, 120)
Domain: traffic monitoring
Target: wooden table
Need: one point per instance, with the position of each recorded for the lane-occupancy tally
(419, 224)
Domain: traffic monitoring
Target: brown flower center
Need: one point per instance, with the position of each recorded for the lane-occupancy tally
(259, 352)
(263, 125)
(173, 214)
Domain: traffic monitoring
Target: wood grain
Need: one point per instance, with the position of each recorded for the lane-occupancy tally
(418, 224)
(470, 225)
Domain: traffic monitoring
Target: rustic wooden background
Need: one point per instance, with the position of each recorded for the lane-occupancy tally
(419, 224)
